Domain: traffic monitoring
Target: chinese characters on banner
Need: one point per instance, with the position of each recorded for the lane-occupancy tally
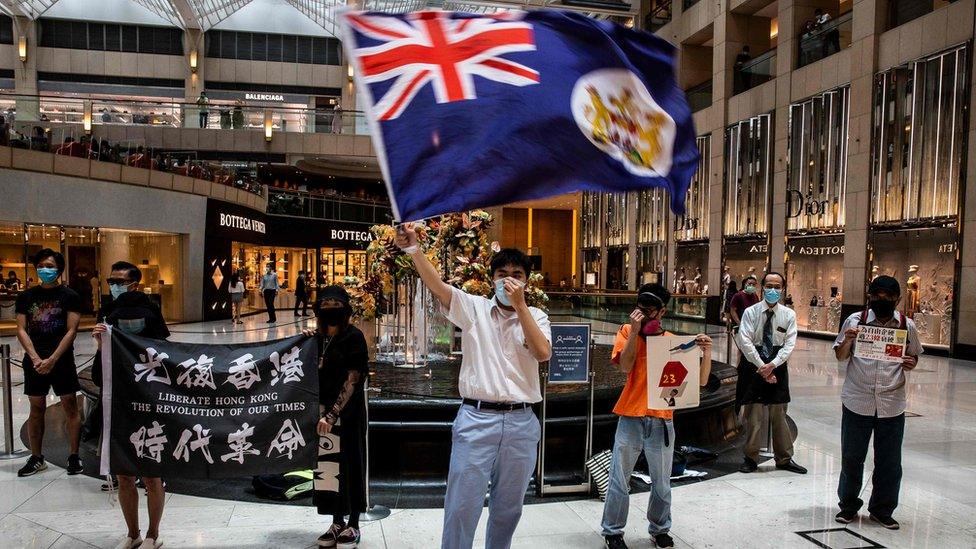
(877, 343)
(208, 411)
(673, 372)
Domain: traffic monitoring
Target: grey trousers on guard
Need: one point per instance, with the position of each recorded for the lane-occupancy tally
(496, 446)
(752, 418)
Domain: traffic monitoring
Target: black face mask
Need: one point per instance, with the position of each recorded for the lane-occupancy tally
(882, 308)
(332, 317)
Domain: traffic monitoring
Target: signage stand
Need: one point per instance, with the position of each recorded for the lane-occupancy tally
(571, 370)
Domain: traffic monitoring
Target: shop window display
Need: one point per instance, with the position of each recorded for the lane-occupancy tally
(923, 260)
(591, 268)
(818, 161)
(693, 225)
(651, 259)
(89, 253)
(815, 272)
(748, 176)
(690, 261)
(918, 145)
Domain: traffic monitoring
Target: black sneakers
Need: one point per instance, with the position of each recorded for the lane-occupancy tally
(615, 542)
(74, 464)
(328, 539)
(846, 517)
(35, 464)
(663, 540)
(887, 522)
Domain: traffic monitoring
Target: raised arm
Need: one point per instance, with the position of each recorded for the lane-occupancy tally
(407, 241)
(628, 355)
(705, 344)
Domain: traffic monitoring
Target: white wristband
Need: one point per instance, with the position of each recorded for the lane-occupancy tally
(410, 250)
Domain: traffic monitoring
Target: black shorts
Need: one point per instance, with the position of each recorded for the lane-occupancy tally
(63, 378)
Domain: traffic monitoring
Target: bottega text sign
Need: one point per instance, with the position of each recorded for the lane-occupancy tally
(241, 222)
(351, 236)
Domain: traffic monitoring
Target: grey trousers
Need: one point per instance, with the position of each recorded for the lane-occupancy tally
(752, 418)
(500, 447)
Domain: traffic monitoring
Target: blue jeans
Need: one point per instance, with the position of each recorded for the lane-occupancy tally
(855, 434)
(655, 437)
(488, 445)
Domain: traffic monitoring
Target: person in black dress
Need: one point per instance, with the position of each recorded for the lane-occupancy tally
(343, 372)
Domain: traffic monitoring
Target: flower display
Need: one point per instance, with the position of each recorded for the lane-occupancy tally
(458, 247)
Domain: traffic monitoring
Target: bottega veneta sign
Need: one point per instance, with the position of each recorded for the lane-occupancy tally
(241, 222)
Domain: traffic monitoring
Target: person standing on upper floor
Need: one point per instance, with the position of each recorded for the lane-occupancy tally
(873, 402)
(47, 322)
(640, 429)
(301, 294)
(496, 433)
(767, 336)
(744, 298)
(204, 104)
(269, 290)
(741, 79)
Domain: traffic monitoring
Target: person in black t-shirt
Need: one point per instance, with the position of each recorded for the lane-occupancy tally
(343, 370)
(301, 294)
(132, 312)
(47, 321)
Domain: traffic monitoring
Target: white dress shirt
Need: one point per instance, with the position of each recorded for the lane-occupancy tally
(269, 282)
(751, 332)
(496, 363)
(876, 386)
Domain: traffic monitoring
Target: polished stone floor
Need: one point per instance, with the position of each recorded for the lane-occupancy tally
(765, 509)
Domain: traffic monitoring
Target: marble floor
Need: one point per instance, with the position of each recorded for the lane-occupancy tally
(764, 509)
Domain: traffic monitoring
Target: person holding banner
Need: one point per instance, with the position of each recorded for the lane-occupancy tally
(873, 402)
(640, 429)
(47, 321)
(340, 479)
(496, 433)
(767, 336)
(132, 312)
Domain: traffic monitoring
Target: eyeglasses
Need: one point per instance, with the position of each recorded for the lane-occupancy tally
(118, 281)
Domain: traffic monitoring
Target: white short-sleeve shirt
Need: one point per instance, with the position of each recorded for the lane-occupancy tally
(496, 363)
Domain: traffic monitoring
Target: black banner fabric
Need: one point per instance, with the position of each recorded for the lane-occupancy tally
(208, 411)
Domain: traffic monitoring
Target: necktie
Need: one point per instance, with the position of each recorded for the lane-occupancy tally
(767, 336)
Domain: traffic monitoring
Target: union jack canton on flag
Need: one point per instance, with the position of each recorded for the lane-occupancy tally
(470, 111)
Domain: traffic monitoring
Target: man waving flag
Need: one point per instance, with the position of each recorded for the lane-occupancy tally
(471, 111)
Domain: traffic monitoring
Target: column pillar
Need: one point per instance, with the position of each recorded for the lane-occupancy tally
(631, 229)
(868, 24)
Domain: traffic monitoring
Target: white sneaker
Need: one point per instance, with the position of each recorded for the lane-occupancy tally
(151, 544)
(129, 543)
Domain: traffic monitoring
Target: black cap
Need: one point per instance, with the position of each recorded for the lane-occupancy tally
(653, 295)
(885, 283)
(337, 293)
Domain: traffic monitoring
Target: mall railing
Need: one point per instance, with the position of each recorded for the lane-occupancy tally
(73, 141)
(331, 207)
(826, 40)
(176, 114)
(659, 16)
(757, 71)
(700, 96)
(610, 309)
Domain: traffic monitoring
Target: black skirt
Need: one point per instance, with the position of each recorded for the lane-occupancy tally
(340, 478)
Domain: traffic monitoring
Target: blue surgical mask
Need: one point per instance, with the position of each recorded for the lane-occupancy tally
(500, 294)
(772, 295)
(47, 274)
(117, 289)
(133, 325)
(750, 289)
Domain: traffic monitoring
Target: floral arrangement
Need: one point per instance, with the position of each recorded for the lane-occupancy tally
(456, 244)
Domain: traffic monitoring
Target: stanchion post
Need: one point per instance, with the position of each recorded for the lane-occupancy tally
(8, 408)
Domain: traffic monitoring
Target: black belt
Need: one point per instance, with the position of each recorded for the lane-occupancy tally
(497, 406)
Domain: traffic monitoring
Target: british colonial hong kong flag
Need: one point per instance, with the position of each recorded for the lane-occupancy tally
(471, 111)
